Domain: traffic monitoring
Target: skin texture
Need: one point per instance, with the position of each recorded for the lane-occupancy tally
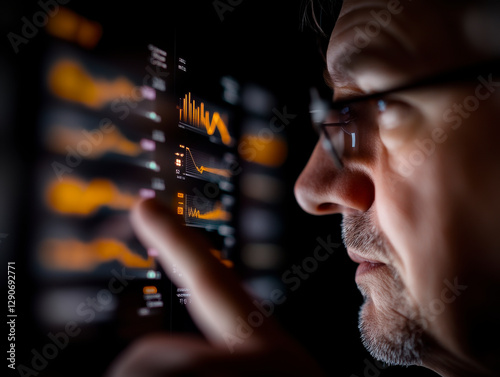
(434, 216)
(425, 217)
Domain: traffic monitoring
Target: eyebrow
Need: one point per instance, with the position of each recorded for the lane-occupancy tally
(332, 78)
(336, 80)
(463, 73)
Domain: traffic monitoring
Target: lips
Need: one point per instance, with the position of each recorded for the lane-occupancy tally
(365, 265)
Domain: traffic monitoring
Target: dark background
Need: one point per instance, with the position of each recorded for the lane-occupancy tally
(257, 42)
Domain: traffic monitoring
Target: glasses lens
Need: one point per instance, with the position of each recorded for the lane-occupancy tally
(341, 128)
(336, 136)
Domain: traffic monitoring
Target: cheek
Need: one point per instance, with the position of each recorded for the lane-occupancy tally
(414, 198)
(410, 216)
(411, 212)
(433, 200)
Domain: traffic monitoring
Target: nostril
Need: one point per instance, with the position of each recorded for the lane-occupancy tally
(326, 207)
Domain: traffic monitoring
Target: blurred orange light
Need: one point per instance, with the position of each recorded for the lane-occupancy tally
(74, 196)
(267, 151)
(218, 254)
(72, 27)
(150, 290)
(61, 137)
(73, 254)
(69, 80)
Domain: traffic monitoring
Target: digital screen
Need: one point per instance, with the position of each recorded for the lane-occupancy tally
(109, 112)
(110, 132)
(108, 138)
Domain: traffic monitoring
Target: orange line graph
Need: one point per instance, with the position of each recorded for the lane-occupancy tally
(217, 213)
(198, 117)
(61, 137)
(222, 172)
(72, 254)
(75, 196)
(67, 79)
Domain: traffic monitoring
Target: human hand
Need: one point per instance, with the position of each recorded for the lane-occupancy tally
(218, 307)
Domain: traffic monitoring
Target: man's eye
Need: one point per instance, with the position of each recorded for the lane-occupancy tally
(382, 105)
(348, 114)
(393, 114)
(397, 122)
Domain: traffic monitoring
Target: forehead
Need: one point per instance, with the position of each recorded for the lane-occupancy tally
(377, 44)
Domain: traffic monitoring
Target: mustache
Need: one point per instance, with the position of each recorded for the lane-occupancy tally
(359, 233)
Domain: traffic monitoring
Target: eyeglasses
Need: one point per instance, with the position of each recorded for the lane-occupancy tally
(343, 125)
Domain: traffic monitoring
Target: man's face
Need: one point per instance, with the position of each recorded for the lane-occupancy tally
(419, 197)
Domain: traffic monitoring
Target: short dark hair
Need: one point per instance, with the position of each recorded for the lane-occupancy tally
(319, 16)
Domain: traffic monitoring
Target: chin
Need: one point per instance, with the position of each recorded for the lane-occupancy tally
(390, 326)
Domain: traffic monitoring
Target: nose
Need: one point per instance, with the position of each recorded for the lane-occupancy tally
(322, 189)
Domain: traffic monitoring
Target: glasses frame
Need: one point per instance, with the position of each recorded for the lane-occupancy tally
(461, 74)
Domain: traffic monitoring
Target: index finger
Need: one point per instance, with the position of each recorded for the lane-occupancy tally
(220, 307)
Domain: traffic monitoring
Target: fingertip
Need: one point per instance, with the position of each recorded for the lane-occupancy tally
(149, 211)
(146, 207)
(149, 218)
(158, 227)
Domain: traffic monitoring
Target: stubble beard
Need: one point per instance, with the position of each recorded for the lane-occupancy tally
(392, 330)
